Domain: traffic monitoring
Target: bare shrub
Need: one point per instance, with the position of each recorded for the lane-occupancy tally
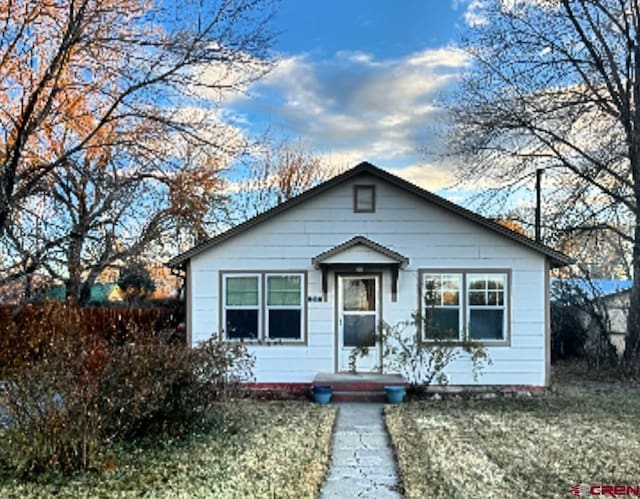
(421, 362)
(71, 393)
(580, 326)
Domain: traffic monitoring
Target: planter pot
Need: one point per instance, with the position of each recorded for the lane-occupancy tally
(322, 394)
(395, 394)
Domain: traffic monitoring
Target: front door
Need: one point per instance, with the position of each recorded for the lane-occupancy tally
(358, 318)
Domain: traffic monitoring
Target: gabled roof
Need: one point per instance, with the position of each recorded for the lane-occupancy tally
(360, 241)
(556, 258)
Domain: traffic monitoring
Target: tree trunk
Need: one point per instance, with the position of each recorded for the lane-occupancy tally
(74, 268)
(85, 292)
(72, 285)
(79, 290)
(27, 289)
(632, 344)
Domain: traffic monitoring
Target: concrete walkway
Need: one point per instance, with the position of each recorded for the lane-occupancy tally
(362, 463)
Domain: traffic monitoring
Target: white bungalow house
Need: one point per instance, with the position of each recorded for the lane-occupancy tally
(307, 281)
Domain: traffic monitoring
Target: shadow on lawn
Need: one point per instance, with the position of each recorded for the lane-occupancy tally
(561, 399)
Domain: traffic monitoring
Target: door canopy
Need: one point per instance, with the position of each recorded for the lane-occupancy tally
(360, 254)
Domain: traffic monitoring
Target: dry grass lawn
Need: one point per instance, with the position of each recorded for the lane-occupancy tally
(263, 450)
(520, 447)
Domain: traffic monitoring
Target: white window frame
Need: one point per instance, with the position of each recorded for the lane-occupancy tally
(257, 307)
(300, 307)
(459, 306)
(503, 307)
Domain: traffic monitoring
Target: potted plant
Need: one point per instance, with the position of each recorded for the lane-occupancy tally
(395, 394)
(322, 394)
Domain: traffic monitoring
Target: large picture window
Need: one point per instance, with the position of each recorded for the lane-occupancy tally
(284, 306)
(465, 304)
(279, 315)
(242, 306)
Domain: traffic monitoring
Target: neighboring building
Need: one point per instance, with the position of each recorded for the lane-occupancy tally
(617, 306)
(100, 293)
(14, 292)
(610, 299)
(104, 290)
(307, 281)
(167, 284)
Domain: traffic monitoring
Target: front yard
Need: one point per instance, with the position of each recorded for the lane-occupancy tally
(263, 449)
(518, 447)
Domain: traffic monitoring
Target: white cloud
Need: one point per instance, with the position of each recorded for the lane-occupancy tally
(357, 56)
(357, 106)
(443, 57)
(215, 127)
(428, 176)
(475, 13)
(227, 81)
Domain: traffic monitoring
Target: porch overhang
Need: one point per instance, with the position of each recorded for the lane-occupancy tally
(356, 255)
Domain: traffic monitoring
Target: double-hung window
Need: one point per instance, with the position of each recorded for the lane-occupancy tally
(242, 303)
(442, 317)
(284, 307)
(487, 309)
(264, 306)
(463, 304)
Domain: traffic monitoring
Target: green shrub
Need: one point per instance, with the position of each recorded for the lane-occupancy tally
(72, 393)
(136, 282)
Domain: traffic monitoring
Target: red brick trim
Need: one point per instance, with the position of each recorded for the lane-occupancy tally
(485, 388)
(278, 387)
(355, 386)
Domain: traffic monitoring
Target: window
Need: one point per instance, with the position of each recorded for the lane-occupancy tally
(278, 315)
(442, 306)
(364, 198)
(464, 304)
(359, 311)
(486, 299)
(284, 307)
(241, 306)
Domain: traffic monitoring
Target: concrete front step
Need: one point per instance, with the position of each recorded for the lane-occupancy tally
(359, 396)
(374, 377)
(347, 386)
(358, 387)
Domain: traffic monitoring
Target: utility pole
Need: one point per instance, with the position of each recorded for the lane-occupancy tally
(538, 203)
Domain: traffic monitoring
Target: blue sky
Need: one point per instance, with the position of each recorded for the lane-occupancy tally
(382, 28)
(361, 80)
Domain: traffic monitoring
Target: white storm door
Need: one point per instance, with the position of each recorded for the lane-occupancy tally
(358, 318)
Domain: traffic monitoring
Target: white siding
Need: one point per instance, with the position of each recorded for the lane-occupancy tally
(428, 235)
(359, 254)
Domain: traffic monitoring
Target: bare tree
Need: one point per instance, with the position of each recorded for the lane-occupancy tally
(555, 84)
(102, 102)
(603, 252)
(74, 71)
(101, 214)
(278, 174)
